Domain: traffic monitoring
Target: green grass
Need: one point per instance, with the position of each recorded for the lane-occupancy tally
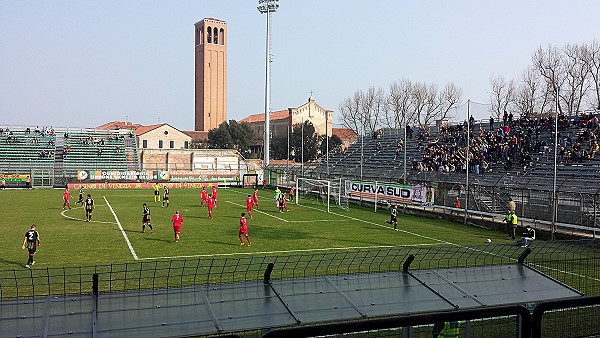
(66, 240)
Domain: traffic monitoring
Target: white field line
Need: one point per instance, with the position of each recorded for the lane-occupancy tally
(372, 223)
(122, 231)
(380, 225)
(258, 210)
(286, 251)
(81, 219)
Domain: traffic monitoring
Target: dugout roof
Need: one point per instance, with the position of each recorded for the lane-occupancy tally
(277, 303)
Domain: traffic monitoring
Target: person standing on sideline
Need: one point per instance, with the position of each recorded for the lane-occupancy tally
(457, 204)
(177, 219)
(203, 197)
(146, 219)
(80, 197)
(513, 224)
(244, 230)
(89, 208)
(31, 241)
(249, 204)
(255, 198)
(446, 329)
(210, 203)
(393, 215)
(156, 188)
(3, 184)
(214, 194)
(292, 193)
(66, 197)
(28, 182)
(165, 196)
(512, 206)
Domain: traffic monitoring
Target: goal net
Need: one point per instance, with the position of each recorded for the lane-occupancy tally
(321, 193)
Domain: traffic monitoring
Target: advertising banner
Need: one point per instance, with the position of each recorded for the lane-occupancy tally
(118, 175)
(13, 177)
(391, 192)
(200, 175)
(141, 185)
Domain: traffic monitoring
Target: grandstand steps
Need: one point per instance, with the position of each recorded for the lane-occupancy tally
(131, 154)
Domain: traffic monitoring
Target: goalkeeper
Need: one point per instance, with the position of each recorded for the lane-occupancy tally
(393, 215)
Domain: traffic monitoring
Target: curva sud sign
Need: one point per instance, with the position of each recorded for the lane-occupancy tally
(391, 192)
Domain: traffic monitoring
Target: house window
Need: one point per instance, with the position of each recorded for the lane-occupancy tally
(160, 144)
(145, 144)
(171, 144)
(186, 144)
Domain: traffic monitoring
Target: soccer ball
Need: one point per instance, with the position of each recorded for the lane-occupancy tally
(488, 240)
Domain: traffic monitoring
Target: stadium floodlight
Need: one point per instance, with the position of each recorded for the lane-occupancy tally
(268, 7)
(467, 161)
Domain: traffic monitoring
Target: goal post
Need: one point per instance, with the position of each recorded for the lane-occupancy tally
(321, 192)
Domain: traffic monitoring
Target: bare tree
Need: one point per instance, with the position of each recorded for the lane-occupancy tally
(449, 98)
(371, 108)
(548, 64)
(399, 104)
(425, 102)
(502, 94)
(591, 58)
(576, 74)
(350, 112)
(526, 97)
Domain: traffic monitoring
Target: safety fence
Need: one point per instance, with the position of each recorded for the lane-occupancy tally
(572, 263)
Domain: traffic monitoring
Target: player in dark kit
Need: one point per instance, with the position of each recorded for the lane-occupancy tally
(393, 215)
(146, 219)
(31, 241)
(89, 208)
(80, 197)
(166, 196)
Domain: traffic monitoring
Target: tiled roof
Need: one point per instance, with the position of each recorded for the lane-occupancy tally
(144, 129)
(276, 115)
(196, 135)
(114, 125)
(344, 133)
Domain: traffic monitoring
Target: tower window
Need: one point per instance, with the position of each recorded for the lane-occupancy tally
(208, 35)
(216, 35)
(222, 36)
(201, 36)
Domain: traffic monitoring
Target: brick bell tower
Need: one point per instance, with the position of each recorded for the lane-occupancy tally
(211, 74)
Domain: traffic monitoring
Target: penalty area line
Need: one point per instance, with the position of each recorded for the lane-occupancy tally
(288, 251)
(122, 231)
(79, 219)
(262, 212)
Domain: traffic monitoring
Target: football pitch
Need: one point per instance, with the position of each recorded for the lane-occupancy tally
(115, 233)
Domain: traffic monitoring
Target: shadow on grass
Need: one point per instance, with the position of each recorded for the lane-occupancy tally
(11, 263)
(158, 239)
(235, 242)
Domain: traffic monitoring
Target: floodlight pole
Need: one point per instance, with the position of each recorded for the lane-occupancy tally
(405, 145)
(467, 161)
(327, 141)
(267, 6)
(554, 199)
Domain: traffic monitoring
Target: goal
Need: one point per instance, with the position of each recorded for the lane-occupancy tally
(322, 193)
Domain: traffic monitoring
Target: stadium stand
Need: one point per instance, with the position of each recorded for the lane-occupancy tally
(62, 152)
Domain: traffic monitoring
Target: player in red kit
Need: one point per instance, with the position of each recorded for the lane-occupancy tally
(244, 229)
(214, 194)
(284, 202)
(210, 203)
(249, 204)
(203, 196)
(255, 198)
(66, 196)
(177, 219)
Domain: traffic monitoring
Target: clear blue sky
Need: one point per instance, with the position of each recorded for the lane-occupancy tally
(84, 63)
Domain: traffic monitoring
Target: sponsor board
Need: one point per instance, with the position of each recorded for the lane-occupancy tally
(200, 175)
(391, 192)
(13, 177)
(141, 185)
(118, 175)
